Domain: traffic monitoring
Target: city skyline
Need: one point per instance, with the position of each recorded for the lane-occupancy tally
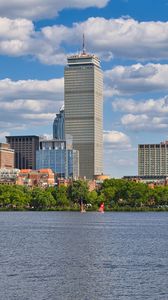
(129, 37)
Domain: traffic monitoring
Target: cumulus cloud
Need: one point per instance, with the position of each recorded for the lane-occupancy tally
(32, 89)
(112, 38)
(116, 139)
(123, 38)
(152, 106)
(120, 153)
(136, 79)
(39, 9)
(150, 114)
(32, 102)
(144, 122)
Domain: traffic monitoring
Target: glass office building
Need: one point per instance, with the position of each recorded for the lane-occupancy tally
(58, 125)
(56, 155)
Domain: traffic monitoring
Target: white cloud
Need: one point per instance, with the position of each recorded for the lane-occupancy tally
(44, 117)
(32, 89)
(126, 38)
(144, 122)
(136, 79)
(150, 106)
(39, 9)
(31, 102)
(148, 115)
(116, 139)
(123, 38)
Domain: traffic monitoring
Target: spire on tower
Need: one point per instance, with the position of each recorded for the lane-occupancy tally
(84, 50)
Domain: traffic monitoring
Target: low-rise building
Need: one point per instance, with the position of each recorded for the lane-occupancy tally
(149, 180)
(41, 178)
(9, 176)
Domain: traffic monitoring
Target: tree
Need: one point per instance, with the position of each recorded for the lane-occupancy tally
(61, 196)
(78, 191)
(41, 199)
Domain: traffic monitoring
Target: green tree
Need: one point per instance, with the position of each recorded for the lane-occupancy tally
(78, 191)
(41, 199)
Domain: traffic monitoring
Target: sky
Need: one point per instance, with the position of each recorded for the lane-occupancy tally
(131, 39)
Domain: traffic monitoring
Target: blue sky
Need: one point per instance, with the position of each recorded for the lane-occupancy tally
(131, 39)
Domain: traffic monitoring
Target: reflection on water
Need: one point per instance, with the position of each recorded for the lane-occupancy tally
(92, 256)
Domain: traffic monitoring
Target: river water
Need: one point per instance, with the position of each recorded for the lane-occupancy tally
(92, 256)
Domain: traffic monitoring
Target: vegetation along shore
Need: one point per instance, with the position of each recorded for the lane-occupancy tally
(117, 195)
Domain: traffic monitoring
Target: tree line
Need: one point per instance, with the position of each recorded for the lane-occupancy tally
(116, 194)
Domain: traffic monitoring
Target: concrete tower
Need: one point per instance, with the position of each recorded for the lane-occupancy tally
(83, 90)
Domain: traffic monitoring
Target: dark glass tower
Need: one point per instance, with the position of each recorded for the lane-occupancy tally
(58, 126)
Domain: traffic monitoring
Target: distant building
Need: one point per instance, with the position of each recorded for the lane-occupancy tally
(58, 126)
(25, 150)
(149, 180)
(83, 89)
(9, 176)
(153, 159)
(59, 156)
(41, 178)
(6, 156)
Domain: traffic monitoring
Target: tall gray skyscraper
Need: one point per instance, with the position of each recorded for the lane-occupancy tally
(84, 111)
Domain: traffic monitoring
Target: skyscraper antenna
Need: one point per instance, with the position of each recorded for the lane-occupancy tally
(84, 50)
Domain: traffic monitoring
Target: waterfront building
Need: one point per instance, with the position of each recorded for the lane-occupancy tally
(41, 178)
(58, 125)
(83, 90)
(6, 156)
(25, 150)
(9, 176)
(153, 159)
(59, 156)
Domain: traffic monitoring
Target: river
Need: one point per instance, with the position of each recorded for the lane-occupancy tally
(91, 256)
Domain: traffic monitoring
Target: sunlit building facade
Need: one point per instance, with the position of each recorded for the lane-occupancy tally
(153, 159)
(6, 156)
(83, 89)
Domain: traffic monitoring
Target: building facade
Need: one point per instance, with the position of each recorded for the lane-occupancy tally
(41, 178)
(25, 150)
(83, 90)
(58, 126)
(56, 155)
(9, 176)
(6, 156)
(153, 159)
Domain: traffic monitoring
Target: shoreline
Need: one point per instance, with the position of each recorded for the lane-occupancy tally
(124, 209)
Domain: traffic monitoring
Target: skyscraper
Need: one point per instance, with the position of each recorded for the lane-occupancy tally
(58, 125)
(83, 89)
(153, 159)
